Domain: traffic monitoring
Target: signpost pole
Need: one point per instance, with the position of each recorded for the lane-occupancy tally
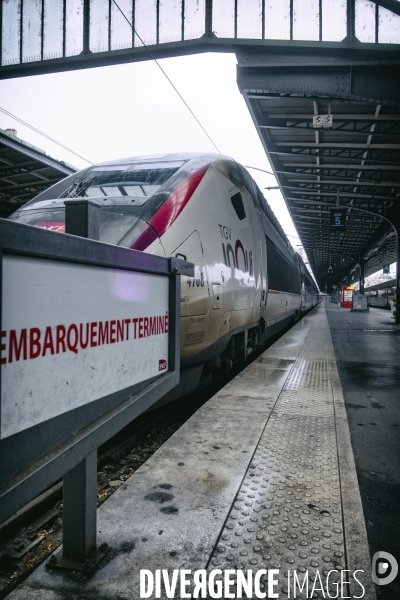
(82, 218)
(80, 484)
(79, 513)
(362, 270)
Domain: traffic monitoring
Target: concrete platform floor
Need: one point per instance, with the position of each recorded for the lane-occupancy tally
(261, 477)
(367, 351)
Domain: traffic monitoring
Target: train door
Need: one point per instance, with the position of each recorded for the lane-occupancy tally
(195, 294)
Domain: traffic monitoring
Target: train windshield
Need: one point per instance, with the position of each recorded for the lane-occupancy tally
(129, 196)
(138, 180)
(118, 225)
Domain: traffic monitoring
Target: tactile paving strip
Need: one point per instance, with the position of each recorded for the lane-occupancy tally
(287, 514)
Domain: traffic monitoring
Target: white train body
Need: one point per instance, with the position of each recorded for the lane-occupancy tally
(248, 283)
(229, 292)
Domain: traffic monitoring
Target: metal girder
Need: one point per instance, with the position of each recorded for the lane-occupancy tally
(352, 71)
(28, 184)
(292, 168)
(352, 82)
(315, 145)
(10, 177)
(377, 157)
(341, 123)
(89, 60)
(340, 151)
(208, 42)
(378, 238)
(341, 117)
(98, 33)
(348, 181)
(19, 168)
(322, 193)
(350, 129)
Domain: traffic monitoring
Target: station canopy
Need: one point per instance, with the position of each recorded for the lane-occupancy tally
(25, 171)
(354, 164)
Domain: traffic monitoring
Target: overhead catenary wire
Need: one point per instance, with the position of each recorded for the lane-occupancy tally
(274, 187)
(258, 169)
(6, 112)
(165, 75)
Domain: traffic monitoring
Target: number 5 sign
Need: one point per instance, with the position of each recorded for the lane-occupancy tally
(338, 219)
(322, 121)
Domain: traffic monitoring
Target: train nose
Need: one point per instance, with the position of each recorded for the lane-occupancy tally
(117, 226)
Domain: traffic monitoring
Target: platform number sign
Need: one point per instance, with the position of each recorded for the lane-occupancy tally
(338, 219)
(322, 121)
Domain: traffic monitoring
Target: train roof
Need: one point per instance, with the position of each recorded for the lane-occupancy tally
(245, 178)
(213, 157)
(167, 157)
(388, 283)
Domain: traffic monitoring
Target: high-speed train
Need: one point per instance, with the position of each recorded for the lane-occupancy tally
(249, 282)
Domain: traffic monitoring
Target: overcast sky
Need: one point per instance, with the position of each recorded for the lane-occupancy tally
(127, 110)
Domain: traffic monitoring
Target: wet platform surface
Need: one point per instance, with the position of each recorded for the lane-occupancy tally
(367, 350)
(261, 477)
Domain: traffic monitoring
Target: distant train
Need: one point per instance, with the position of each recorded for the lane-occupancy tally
(249, 282)
(382, 295)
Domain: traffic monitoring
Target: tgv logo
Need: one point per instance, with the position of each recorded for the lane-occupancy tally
(237, 256)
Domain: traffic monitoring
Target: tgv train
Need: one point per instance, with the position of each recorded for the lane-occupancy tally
(249, 282)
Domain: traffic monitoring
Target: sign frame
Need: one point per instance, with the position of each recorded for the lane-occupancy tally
(33, 459)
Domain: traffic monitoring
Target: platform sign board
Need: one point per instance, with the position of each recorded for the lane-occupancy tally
(322, 121)
(89, 341)
(338, 219)
(74, 333)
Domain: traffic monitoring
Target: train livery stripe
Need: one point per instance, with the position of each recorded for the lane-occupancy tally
(52, 225)
(170, 210)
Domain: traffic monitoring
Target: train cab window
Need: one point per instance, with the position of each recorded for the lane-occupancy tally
(237, 203)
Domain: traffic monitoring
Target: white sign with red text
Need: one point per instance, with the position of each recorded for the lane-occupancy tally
(71, 334)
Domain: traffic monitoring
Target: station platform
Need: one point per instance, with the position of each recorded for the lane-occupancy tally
(262, 477)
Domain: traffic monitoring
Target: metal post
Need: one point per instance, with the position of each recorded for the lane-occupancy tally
(361, 262)
(82, 218)
(174, 319)
(351, 21)
(86, 26)
(79, 513)
(208, 18)
(80, 484)
(396, 312)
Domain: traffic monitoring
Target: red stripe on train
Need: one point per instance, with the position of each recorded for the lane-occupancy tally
(170, 210)
(51, 225)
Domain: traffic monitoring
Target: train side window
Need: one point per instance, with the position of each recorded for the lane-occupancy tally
(237, 203)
